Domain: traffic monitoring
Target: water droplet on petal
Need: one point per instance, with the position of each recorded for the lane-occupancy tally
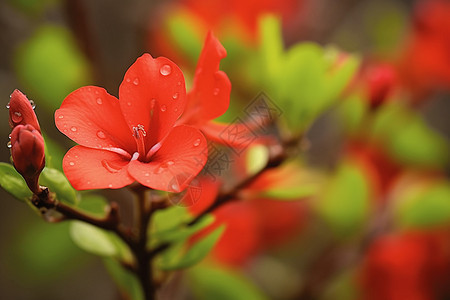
(129, 103)
(7, 106)
(165, 70)
(128, 80)
(197, 142)
(176, 109)
(147, 174)
(170, 162)
(136, 81)
(152, 103)
(179, 83)
(73, 128)
(163, 108)
(9, 145)
(72, 163)
(110, 167)
(99, 101)
(110, 185)
(216, 91)
(60, 117)
(101, 134)
(175, 187)
(175, 96)
(32, 104)
(17, 117)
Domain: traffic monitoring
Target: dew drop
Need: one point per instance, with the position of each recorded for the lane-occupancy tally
(176, 109)
(136, 81)
(216, 91)
(128, 80)
(165, 70)
(197, 142)
(110, 185)
(73, 128)
(33, 105)
(109, 167)
(170, 163)
(7, 106)
(60, 117)
(72, 163)
(9, 145)
(101, 134)
(175, 96)
(17, 117)
(179, 83)
(152, 103)
(99, 101)
(129, 103)
(175, 187)
(147, 174)
(163, 108)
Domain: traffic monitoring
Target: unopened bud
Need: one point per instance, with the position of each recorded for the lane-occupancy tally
(27, 151)
(21, 111)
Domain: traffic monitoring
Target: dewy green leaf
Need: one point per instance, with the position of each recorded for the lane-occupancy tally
(58, 184)
(345, 201)
(425, 205)
(218, 283)
(13, 183)
(98, 241)
(194, 254)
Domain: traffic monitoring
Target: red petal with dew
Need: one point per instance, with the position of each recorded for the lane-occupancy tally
(92, 118)
(153, 94)
(209, 97)
(182, 156)
(88, 168)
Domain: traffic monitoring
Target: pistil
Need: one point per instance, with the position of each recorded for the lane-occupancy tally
(139, 134)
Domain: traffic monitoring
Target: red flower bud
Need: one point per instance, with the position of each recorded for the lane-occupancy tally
(27, 150)
(21, 111)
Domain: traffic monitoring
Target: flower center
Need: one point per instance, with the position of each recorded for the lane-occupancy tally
(139, 134)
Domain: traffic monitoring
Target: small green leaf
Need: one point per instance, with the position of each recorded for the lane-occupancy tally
(13, 182)
(194, 254)
(425, 205)
(126, 281)
(218, 283)
(98, 241)
(256, 158)
(57, 182)
(344, 204)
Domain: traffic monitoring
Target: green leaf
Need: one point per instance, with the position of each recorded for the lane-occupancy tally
(182, 233)
(408, 139)
(13, 182)
(57, 182)
(209, 282)
(425, 205)
(98, 241)
(351, 112)
(94, 205)
(50, 66)
(193, 255)
(126, 281)
(344, 204)
(293, 193)
(256, 158)
(170, 218)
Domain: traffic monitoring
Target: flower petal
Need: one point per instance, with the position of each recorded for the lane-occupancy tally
(209, 97)
(92, 118)
(182, 155)
(153, 95)
(88, 168)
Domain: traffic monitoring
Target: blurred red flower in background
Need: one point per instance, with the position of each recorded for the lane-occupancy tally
(425, 63)
(411, 265)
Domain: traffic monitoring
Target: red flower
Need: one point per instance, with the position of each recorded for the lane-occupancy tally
(133, 137)
(412, 265)
(21, 112)
(209, 97)
(27, 151)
